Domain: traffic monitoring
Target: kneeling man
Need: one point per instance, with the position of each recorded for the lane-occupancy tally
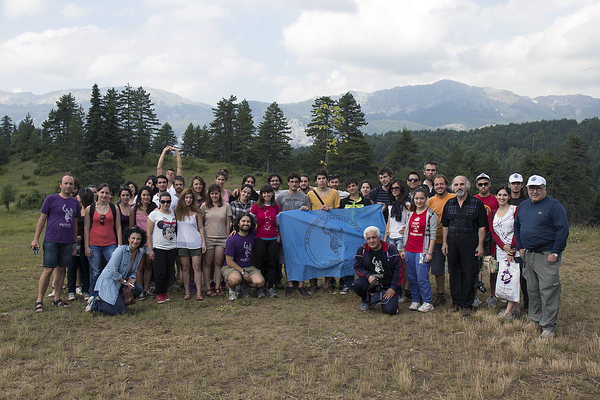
(379, 269)
(238, 258)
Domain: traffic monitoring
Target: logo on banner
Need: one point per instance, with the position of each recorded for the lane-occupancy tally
(325, 239)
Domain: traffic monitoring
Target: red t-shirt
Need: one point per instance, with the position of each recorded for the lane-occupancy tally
(491, 205)
(266, 220)
(416, 224)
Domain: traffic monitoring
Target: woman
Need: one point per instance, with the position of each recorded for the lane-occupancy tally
(102, 232)
(399, 200)
(190, 239)
(420, 238)
(162, 248)
(139, 217)
(220, 179)
(243, 203)
(124, 207)
(268, 239)
(365, 188)
(199, 187)
(119, 275)
(216, 215)
(133, 187)
(248, 179)
(502, 224)
(79, 261)
(151, 183)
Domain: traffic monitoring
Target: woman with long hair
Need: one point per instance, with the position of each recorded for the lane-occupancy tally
(139, 217)
(191, 243)
(502, 228)
(268, 239)
(79, 262)
(220, 178)
(217, 221)
(365, 188)
(151, 183)
(396, 223)
(102, 232)
(198, 185)
(124, 206)
(420, 235)
(162, 246)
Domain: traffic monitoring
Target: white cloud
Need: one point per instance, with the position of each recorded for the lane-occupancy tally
(14, 9)
(74, 12)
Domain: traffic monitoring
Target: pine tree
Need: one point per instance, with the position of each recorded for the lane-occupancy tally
(405, 155)
(272, 143)
(163, 138)
(222, 129)
(27, 139)
(325, 119)
(145, 121)
(112, 138)
(244, 133)
(189, 142)
(7, 129)
(203, 138)
(127, 110)
(94, 140)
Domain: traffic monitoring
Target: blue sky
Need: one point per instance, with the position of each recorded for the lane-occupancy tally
(286, 50)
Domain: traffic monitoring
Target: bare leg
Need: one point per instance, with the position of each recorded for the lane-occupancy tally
(510, 307)
(43, 283)
(218, 263)
(185, 269)
(59, 278)
(209, 258)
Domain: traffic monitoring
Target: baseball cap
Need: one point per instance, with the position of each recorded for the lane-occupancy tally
(515, 178)
(536, 180)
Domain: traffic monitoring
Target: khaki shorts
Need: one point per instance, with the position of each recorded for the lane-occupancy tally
(189, 252)
(249, 270)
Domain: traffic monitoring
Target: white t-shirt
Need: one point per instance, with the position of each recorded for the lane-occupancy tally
(188, 236)
(174, 200)
(395, 226)
(164, 235)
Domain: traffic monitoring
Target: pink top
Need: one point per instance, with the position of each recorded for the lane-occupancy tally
(141, 220)
(266, 220)
(102, 234)
(417, 232)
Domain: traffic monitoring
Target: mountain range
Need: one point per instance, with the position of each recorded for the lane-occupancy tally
(443, 104)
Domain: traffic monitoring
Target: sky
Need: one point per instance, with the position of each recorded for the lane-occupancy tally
(295, 50)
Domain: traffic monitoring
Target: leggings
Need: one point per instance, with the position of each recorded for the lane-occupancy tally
(270, 249)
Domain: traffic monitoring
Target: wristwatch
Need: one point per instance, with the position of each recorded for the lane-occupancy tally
(243, 272)
(555, 255)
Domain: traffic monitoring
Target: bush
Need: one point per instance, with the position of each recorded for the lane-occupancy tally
(31, 183)
(32, 201)
(25, 177)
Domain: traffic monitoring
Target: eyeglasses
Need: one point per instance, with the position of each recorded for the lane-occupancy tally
(413, 179)
(483, 184)
(165, 202)
(395, 188)
(102, 219)
(535, 188)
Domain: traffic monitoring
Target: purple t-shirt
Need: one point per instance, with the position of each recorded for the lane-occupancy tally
(240, 248)
(62, 217)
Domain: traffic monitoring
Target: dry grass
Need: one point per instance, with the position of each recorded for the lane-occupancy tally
(290, 348)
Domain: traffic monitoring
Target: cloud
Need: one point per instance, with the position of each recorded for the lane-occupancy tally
(74, 12)
(14, 9)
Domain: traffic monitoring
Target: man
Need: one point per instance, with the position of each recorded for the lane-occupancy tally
(463, 231)
(170, 172)
(517, 191)
(430, 170)
(305, 184)
(323, 198)
(292, 199)
(237, 269)
(413, 181)
(541, 232)
(379, 270)
(334, 183)
(438, 260)
(161, 184)
(178, 185)
(59, 214)
(379, 195)
(275, 181)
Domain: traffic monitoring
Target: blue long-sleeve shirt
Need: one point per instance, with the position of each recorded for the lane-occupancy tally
(541, 226)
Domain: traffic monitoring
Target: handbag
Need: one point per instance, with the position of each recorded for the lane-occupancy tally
(128, 297)
(508, 281)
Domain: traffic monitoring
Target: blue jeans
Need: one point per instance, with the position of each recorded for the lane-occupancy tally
(95, 262)
(418, 277)
(361, 288)
(119, 307)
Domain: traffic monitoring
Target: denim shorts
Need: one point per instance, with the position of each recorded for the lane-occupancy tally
(438, 260)
(57, 254)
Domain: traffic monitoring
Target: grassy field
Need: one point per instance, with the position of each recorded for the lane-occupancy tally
(299, 348)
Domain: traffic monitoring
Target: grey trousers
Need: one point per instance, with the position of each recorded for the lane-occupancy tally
(543, 285)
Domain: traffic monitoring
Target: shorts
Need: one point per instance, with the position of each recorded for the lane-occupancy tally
(57, 254)
(398, 242)
(189, 252)
(438, 260)
(143, 249)
(249, 270)
(211, 243)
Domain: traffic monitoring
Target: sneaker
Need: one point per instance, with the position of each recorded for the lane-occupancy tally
(426, 307)
(271, 293)
(547, 334)
(402, 299)
(414, 306)
(289, 291)
(329, 289)
(344, 290)
(504, 316)
(532, 326)
(71, 296)
(364, 307)
(303, 292)
(492, 301)
(90, 304)
(260, 294)
(232, 294)
(166, 297)
(440, 299)
(86, 296)
(160, 299)
(51, 293)
(244, 291)
(279, 285)
(476, 302)
(142, 297)
(311, 289)
(78, 290)
(192, 288)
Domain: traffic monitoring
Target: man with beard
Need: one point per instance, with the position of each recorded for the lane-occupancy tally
(179, 185)
(162, 183)
(305, 184)
(275, 181)
(237, 269)
(430, 170)
(463, 231)
(413, 181)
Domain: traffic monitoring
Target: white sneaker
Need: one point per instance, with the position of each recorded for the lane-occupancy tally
(51, 293)
(426, 307)
(232, 294)
(414, 306)
(476, 302)
(271, 293)
(492, 301)
(402, 299)
(260, 293)
(71, 296)
(90, 303)
(78, 290)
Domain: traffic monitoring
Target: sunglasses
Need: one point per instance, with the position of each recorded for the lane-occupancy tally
(165, 202)
(483, 184)
(395, 187)
(102, 219)
(413, 179)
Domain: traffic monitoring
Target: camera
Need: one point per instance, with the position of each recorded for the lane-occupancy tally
(479, 286)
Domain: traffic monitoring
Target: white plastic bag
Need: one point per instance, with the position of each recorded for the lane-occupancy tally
(507, 282)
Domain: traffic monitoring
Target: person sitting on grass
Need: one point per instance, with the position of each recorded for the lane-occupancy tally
(379, 269)
(119, 275)
(237, 270)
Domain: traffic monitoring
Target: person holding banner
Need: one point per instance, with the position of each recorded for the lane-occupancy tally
(380, 273)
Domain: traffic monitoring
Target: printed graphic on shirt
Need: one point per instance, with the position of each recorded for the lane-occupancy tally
(247, 252)
(378, 268)
(414, 226)
(68, 213)
(168, 228)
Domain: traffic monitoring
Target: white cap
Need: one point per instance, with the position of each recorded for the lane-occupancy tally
(480, 176)
(515, 178)
(536, 180)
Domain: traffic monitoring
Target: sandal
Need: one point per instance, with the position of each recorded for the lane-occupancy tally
(39, 307)
(199, 296)
(211, 292)
(59, 303)
(187, 296)
(219, 292)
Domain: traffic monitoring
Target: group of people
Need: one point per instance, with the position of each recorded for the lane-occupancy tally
(218, 241)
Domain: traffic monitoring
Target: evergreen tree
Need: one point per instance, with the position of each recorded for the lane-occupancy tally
(405, 152)
(127, 110)
(222, 129)
(189, 142)
(9, 194)
(244, 133)
(203, 139)
(94, 139)
(163, 138)
(104, 169)
(454, 164)
(272, 143)
(325, 119)
(146, 122)
(7, 129)
(27, 139)
(112, 138)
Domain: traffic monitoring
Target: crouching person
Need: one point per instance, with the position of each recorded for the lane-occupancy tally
(379, 269)
(238, 272)
(119, 275)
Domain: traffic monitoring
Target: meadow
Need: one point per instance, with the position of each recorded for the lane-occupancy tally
(320, 347)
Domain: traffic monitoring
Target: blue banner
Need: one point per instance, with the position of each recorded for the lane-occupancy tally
(323, 243)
